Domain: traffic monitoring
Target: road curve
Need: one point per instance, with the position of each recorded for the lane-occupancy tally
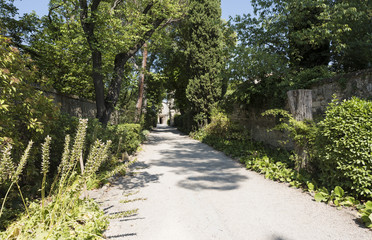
(184, 189)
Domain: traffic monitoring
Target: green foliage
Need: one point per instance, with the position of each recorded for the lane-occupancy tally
(302, 132)
(194, 60)
(336, 197)
(63, 214)
(184, 122)
(203, 54)
(128, 137)
(62, 54)
(343, 145)
(24, 110)
(272, 169)
(293, 44)
(84, 220)
(338, 146)
(366, 211)
(221, 126)
(155, 93)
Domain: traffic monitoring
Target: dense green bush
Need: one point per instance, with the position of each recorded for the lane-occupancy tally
(25, 112)
(344, 147)
(177, 120)
(127, 137)
(183, 122)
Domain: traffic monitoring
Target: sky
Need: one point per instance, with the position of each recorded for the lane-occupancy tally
(229, 7)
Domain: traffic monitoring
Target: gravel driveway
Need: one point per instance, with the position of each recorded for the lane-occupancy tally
(184, 189)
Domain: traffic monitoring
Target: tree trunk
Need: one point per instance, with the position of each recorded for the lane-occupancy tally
(98, 84)
(141, 85)
(115, 87)
(300, 104)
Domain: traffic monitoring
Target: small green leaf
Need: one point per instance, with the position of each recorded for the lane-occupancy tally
(320, 197)
(368, 205)
(310, 186)
(339, 191)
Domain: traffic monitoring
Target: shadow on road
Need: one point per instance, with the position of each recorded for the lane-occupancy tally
(202, 166)
(136, 179)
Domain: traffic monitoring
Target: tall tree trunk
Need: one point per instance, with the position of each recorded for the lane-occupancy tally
(141, 85)
(115, 86)
(98, 84)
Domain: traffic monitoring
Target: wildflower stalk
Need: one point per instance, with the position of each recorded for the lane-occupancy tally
(45, 167)
(78, 147)
(14, 174)
(64, 163)
(68, 163)
(23, 200)
(6, 163)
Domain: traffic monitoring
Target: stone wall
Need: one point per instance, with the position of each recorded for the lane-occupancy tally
(78, 107)
(357, 84)
(73, 105)
(259, 127)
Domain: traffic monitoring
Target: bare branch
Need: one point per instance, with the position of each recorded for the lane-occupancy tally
(116, 3)
(51, 10)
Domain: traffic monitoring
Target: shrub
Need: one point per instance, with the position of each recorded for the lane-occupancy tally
(24, 111)
(344, 146)
(128, 137)
(183, 122)
(64, 213)
(222, 126)
(177, 120)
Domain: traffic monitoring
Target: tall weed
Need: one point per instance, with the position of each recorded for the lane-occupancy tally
(64, 214)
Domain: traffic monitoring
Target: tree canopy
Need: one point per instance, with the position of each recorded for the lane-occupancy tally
(90, 48)
(291, 44)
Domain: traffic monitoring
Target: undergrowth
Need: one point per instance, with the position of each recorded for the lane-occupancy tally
(63, 211)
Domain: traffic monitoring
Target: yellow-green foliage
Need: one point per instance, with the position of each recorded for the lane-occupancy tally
(301, 132)
(222, 126)
(126, 137)
(63, 214)
(83, 220)
(344, 147)
(24, 111)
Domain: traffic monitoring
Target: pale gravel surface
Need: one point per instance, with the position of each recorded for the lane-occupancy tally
(189, 191)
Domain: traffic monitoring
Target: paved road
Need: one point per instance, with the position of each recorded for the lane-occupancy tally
(187, 190)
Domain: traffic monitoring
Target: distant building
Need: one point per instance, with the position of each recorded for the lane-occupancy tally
(167, 113)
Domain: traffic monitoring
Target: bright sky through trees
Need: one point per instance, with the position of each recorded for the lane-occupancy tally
(229, 7)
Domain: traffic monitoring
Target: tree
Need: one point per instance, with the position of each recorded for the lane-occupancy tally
(60, 50)
(292, 43)
(128, 24)
(141, 84)
(25, 112)
(204, 48)
(85, 40)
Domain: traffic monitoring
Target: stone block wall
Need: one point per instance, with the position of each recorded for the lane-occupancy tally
(357, 84)
(78, 107)
(259, 127)
(73, 105)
